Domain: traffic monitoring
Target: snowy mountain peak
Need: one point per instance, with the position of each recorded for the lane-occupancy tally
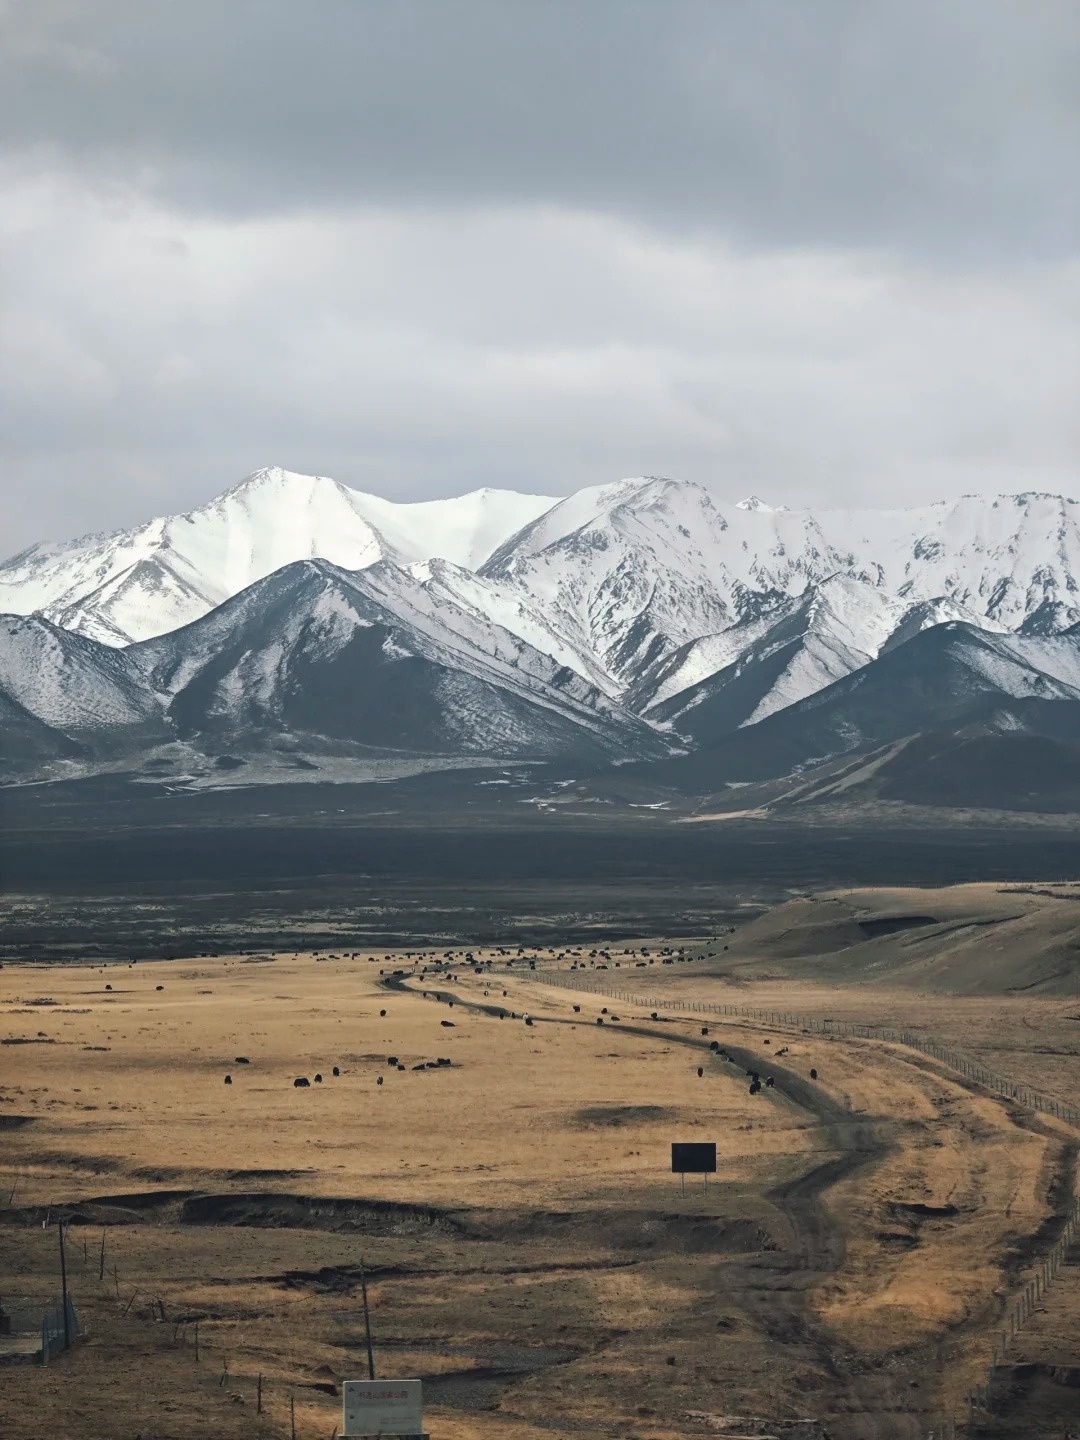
(274, 478)
(642, 595)
(503, 624)
(136, 583)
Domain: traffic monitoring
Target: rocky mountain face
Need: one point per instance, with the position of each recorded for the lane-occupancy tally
(951, 678)
(627, 622)
(371, 659)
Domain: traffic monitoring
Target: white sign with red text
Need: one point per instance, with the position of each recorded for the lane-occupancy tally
(382, 1407)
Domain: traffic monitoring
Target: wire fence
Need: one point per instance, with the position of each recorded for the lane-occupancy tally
(973, 1070)
(32, 1328)
(1023, 1306)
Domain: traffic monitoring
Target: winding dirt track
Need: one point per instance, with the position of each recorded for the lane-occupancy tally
(772, 1287)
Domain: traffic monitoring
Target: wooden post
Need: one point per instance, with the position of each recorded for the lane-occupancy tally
(367, 1323)
(196, 1342)
(292, 1416)
(258, 1396)
(101, 1265)
(63, 1287)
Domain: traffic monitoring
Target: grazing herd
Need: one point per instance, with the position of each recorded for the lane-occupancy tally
(303, 1083)
(667, 955)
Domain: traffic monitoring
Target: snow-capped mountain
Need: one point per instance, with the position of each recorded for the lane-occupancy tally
(635, 571)
(771, 661)
(627, 571)
(64, 697)
(624, 620)
(371, 662)
(372, 658)
(134, 584)
(491, 600)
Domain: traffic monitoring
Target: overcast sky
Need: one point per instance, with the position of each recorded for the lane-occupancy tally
(823, 250)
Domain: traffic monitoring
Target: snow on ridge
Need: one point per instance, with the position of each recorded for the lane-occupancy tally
(1055, 657)
(149, 579)
(306, 613)
(69, 682)
(464, 529)
(753, 502)
(643, 585)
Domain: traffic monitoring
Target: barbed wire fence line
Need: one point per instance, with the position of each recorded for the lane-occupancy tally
(1023, 1305)
(973, 1070)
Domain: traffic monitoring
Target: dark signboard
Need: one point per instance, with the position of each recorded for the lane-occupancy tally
(693, 1157)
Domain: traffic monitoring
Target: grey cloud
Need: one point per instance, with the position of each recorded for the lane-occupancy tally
(941, 130)
(148, 359)
(821, 249)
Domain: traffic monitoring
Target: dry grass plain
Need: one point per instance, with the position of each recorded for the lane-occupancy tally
(527, 1251)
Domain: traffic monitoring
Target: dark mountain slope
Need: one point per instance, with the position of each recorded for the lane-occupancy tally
(947, 678)
(367, 658)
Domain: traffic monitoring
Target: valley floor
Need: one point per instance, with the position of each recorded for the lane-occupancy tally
(527, 1250)
(116, 869)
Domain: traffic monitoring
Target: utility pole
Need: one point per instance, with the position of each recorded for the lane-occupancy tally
(367, 1324)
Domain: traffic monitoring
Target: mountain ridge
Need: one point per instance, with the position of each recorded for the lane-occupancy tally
(127, 585)
(620, 623)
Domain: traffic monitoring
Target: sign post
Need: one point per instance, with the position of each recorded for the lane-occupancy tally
(383, 1407)
(693, 1157)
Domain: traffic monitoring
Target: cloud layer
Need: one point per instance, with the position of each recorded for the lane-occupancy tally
(827, 252)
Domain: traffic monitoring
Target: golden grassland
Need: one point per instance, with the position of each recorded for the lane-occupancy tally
(528, 1252)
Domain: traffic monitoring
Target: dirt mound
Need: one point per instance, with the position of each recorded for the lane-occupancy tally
(653, 1231)
(302, 1212)
(616, 1116)
(963, 939)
